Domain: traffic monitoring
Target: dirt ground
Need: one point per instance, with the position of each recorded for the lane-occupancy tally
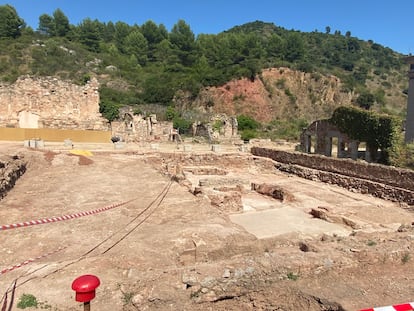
(165, 248)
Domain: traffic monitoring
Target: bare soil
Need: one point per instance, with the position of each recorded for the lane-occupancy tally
(168, 249)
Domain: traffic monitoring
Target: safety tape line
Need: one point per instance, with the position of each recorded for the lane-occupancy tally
(59, 218)
(26, 262)
(402, 307)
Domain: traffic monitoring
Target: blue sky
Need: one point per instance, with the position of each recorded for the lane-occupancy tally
(389, 23)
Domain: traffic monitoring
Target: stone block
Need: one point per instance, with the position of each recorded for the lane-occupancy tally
(32, 143)
(215, 148)
(119, 145)
(68, 143)
(40, 143)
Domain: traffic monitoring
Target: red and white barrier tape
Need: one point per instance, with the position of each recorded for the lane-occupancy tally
(402, 307)
(59, 218)
(26, 262)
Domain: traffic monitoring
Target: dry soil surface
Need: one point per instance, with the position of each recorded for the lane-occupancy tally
(165, 248)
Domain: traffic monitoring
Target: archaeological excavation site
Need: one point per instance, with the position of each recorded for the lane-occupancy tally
(202, 223)
(166, 227)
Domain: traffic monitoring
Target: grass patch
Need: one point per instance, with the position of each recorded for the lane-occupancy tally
(405, 258)
(292, 276)
(127, 297)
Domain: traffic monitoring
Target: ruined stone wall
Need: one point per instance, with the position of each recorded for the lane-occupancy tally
(135, 128)
(48, 102)
(387, 175)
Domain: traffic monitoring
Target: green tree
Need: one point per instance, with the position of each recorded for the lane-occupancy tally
(154, 35)
(276, 46)
(164, 53)
(89, 34)
(159, 89)
(61, 22)
(295, 47)
(10, 22)
(46, 25)
(122, 30)
(183, 41)
(136, 44)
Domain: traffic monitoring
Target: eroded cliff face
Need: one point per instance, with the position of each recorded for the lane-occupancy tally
(278, 93)
(48, 102)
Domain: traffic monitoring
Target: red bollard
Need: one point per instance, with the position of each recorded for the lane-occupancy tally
(85, 286)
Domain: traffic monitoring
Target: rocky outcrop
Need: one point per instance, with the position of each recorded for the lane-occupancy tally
(48, 102)
(273, 191)
(277, 93)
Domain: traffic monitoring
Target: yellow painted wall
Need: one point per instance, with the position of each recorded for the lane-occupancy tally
(54, 135)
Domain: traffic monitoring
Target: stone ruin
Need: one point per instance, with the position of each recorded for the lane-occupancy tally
(220, 128)
(130, 127)
(48, 102)
(323, 134)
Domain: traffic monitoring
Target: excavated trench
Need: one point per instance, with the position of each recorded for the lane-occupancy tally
(11, 168)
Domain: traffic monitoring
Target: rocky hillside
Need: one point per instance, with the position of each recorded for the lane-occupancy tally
(259, 69)
(283, 93)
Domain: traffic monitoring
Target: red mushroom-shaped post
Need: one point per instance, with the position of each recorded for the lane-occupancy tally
(85, 286)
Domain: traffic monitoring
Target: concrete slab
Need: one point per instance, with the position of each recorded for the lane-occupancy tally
(275, 222)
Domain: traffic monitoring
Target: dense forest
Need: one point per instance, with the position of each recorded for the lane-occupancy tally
(149, 64)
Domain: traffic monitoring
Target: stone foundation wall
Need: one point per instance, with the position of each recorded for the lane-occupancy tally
(11, 168)
(388, 175)
(351, 183)
(207, 159)
(378, 180)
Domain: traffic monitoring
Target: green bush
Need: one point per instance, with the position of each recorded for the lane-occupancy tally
(248, 134)
(171, 113)
(27, 301)
(378, 131)
(109, 110)
(182, 124)
(247, 123)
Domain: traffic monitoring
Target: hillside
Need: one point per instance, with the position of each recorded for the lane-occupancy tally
(264, 71)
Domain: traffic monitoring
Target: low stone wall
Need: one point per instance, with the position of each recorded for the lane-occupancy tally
(11, 168)
(351, 183)
(207, 159)
(388, 175)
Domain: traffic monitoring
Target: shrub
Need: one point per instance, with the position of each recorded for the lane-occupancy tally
(27, 301)
(248, 134)
(247, 123)
(182, 124)
(378, 131)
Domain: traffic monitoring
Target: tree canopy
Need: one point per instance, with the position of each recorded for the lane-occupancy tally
(10, 22)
